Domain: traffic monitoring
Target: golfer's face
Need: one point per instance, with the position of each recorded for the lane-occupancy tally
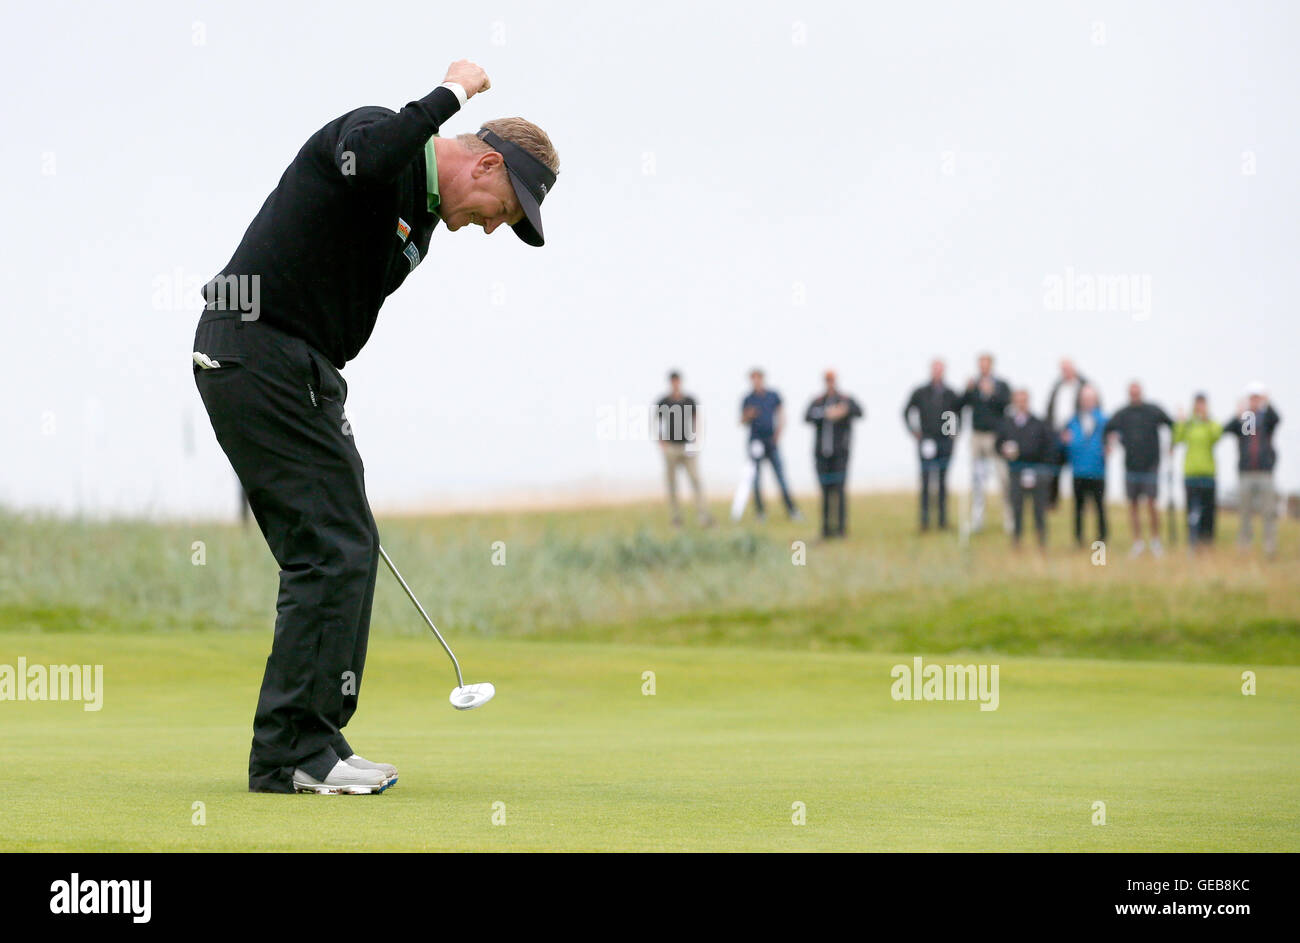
(490, 203)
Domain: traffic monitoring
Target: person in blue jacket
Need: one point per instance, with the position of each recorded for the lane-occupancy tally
(1084, 437)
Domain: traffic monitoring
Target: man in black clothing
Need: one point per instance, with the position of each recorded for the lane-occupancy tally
(832, 415)
(933, 417)
(351, 216)
(1137, 427)
(1030, 448)
(988, 398)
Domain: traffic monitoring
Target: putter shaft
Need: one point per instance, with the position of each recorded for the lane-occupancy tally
(460, 681)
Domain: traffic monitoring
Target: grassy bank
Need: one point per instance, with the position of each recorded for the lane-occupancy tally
(623, 575)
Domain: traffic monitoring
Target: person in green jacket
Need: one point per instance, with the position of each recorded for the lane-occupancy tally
(1199, 433)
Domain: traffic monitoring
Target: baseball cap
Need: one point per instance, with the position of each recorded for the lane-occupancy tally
(531, 179)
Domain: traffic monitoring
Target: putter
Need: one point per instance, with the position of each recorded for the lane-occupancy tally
(464, 696)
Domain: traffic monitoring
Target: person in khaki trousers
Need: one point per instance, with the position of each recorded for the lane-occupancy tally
(1253, 427)
(988, 398)
(679, 424)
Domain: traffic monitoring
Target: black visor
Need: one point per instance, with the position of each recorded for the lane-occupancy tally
(532, 180)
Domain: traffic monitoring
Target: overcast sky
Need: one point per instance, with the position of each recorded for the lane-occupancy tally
(792, 184)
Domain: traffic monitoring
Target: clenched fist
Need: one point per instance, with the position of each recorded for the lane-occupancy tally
(468, 76)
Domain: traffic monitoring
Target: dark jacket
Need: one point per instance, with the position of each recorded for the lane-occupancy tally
(1255, 449)
(1037, 442)
(930, 405)
(1057, 414)
(832, 437)
(986, 412)
(345, 225)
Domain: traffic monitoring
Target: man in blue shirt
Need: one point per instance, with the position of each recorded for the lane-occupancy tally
(761, 410)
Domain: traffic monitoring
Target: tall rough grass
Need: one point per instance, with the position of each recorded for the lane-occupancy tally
(623, 574)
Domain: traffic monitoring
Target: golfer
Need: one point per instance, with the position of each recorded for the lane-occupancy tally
(350, 219)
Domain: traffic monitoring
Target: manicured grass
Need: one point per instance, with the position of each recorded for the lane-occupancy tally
(714, 759)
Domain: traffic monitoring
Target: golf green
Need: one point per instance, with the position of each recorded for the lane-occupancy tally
(732, 748)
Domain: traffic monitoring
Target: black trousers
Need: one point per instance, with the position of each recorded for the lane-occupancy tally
(832, 472)
(1039, 492)
(1085, 490)
(276, 406)
(934, 471)
(1201, 507)
(1054, 491)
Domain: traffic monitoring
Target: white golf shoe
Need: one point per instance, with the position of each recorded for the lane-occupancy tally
(343, 780)
(360, 762)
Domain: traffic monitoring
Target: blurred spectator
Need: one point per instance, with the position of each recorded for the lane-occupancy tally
(762, 411)
(1062, 406)
(987, 397)
(832, 416)
(1254, 427)
(933, 417)
(679, 441)
(1085, 444)
(1199, 434)
(1029, 447)
(1137, 426)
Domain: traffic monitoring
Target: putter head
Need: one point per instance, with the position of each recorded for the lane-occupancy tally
(472, 695)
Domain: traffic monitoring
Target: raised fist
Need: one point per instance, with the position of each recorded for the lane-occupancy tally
(468, 76)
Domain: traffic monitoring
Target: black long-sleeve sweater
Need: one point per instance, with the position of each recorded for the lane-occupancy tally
(346, 224)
